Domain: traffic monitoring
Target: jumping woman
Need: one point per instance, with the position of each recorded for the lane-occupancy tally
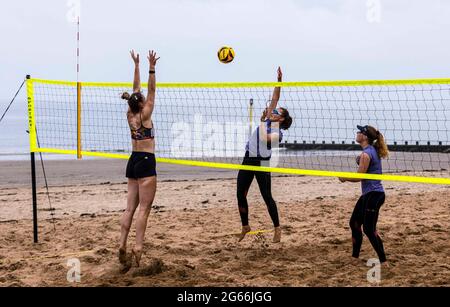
(368, 206)
(141, 167)
(258, 149)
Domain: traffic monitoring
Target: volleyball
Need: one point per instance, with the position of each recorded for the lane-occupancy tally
(225, 54)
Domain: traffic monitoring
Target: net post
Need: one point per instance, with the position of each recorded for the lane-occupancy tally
(33, 186)
(79, 120)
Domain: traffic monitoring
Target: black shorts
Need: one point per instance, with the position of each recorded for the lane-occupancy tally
(141, 165)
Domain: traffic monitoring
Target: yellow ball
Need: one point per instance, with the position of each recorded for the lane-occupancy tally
(225, 54)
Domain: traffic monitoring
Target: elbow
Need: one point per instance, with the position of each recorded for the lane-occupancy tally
(150, 100)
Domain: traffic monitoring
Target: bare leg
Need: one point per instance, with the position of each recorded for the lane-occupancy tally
(127, 217)
(147, 190)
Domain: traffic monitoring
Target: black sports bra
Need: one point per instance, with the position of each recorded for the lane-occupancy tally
(142, 133)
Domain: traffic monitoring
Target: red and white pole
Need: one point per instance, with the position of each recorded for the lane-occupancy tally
(78, 49)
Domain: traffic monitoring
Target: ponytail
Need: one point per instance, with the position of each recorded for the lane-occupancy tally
(376, 139)
(133, 101)
(126, 96)
(380, 146)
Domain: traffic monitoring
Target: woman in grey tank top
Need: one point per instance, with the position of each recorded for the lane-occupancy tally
(258, 151)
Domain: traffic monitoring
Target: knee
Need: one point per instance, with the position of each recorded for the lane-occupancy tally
(127, 214)
(369, 231)
(354, 226)
(243, 210)
(269, 200)
(143, 214)
(128, 211)
(145, 208)
(145, 202)
(125, 221)
(241, 195)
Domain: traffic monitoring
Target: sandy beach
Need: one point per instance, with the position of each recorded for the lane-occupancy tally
(191, 235)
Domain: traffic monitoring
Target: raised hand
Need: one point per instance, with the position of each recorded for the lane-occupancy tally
(280, 74)
(152, 58)
(135, 57)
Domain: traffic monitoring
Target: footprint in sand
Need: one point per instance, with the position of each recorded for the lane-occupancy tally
(259, 238)
(155, 267)
(127, 264)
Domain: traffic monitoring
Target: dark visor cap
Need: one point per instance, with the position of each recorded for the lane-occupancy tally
(363, 129)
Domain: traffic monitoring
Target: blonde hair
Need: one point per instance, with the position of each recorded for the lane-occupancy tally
(376, 139)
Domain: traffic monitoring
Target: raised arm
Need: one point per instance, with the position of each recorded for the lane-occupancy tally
(276, 93)
(152, 59)
(137, 77)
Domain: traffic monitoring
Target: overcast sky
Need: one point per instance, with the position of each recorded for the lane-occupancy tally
(311, 40)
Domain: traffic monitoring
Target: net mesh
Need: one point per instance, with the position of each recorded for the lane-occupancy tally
(213, 124)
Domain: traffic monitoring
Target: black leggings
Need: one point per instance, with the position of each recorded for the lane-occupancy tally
(244, 180)
(366, 214)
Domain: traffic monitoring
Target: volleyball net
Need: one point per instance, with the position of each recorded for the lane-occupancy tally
(209, 124)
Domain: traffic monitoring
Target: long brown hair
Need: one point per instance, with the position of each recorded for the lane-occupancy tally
(286, 123)
(376, 139)
(133, 101)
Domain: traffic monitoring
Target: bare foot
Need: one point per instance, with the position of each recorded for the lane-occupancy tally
(245, 230)
(277, 235)
(137, 253)
(386, 265)
(122, 255)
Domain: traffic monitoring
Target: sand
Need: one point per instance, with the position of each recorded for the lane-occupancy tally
(191, 241)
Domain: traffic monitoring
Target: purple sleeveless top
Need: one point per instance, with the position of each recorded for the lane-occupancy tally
(374, 168)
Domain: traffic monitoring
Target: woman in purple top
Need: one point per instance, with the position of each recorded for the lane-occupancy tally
(368, 206)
